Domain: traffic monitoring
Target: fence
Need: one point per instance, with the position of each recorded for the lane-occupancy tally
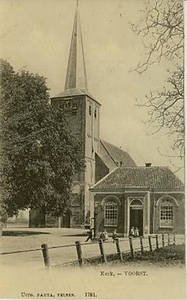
(78, 253)
(122, 246)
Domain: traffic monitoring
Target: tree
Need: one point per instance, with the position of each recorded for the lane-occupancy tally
(162, 30)
(39, 155)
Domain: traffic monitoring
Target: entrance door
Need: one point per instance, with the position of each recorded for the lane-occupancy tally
(136, 219)
(66, 219)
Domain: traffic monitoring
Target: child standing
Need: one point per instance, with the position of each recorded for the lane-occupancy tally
(114, 235)
(132, 231)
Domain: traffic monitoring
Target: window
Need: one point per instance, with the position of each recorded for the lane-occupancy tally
(166, 214)
(111, 214)
(95, 113)
(74, 106)
(136, 202)
(74, 109)
(67, 105)
(90, 110)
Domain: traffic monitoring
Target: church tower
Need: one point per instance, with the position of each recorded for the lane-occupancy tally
(82, 114)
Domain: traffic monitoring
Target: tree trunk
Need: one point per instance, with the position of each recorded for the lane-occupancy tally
(1, 228)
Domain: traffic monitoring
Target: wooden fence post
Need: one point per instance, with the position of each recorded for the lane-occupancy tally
(168, 239)
(157, 241)
(45, 253)
(150, 245)
(103, 256)
(162, 240)
(131, 247)
(174, 242)
(118, 250)
(141, 244)
(79, 252)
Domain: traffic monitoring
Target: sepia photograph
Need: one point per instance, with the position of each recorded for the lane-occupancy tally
(92, 193)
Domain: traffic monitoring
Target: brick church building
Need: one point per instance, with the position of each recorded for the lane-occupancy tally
(113, 192)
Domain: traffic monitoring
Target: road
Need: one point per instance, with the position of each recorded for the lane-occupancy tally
(56, 237)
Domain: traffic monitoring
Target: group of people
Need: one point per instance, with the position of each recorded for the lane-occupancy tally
(134, 231)
(101, 235)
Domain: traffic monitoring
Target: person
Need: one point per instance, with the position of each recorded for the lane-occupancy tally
(105, 234)
(136, 232)
(132, 231)
(114, 235)
(102, 236)
(89, 235)
(99, 236)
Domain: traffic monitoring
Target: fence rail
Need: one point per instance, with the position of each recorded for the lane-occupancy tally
(80, 252)
(151, 242)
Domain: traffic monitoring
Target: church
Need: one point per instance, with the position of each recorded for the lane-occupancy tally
(113, 192)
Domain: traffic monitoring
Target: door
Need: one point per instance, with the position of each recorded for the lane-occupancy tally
(136, 219)
(67, 219)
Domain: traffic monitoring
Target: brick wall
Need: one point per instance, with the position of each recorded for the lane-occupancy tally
(74, 110)
(179, 214)
(100, 214)
(151, 222)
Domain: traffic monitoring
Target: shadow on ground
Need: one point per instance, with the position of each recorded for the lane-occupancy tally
(22, 233)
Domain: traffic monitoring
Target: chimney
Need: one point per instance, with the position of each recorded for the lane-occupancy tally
(148, 165)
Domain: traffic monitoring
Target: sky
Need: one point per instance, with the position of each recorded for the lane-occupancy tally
(35, 35)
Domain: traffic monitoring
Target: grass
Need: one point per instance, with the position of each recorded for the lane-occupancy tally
(169, 254)
(173, 255)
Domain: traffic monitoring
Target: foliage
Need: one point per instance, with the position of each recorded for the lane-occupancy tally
(39, 156)
(162, 30)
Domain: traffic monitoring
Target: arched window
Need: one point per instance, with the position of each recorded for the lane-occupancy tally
(166, 213)
(111, 213)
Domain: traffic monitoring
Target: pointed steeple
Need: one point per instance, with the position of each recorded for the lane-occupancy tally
(76, 70)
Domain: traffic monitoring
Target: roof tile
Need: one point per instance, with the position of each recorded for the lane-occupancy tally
(157, 178)
(114, 155)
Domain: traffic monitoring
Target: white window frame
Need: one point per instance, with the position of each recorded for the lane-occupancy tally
(111, 208)
(166, 214)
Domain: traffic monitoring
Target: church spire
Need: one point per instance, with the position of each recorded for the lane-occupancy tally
(76, 70)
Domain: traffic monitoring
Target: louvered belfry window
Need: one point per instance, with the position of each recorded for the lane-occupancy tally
(111, 214)
(166, 214)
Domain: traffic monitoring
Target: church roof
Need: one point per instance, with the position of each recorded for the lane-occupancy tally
(74, 92)
(112, 155)
(76, 78)
(155, 178)
(76, 70)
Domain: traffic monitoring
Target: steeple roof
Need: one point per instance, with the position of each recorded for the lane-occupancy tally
(76, 79)
(76, 70)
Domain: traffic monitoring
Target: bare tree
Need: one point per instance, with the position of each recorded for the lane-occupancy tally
(166, 109)
(162, 30)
